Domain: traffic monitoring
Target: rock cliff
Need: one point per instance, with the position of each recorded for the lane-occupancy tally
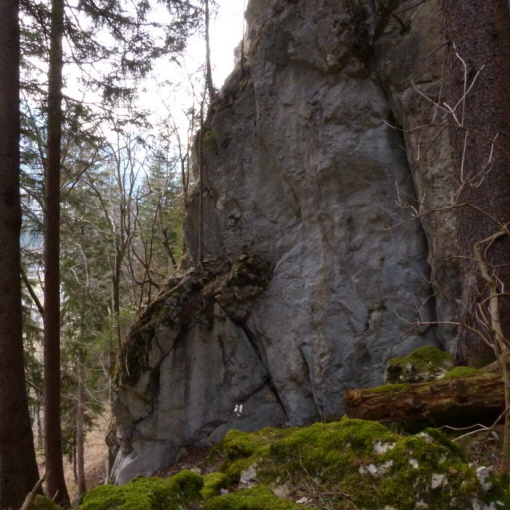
(317, 152)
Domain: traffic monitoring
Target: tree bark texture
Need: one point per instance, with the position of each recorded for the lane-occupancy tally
(80, 428)
(439, 401)
(55, 483)
(18, 468)
(478, 31)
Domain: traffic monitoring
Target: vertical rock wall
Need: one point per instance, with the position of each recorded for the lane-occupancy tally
(305, 170)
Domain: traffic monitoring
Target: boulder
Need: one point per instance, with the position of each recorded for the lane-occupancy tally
(316, 163)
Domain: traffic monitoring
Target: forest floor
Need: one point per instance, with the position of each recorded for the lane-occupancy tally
(96, 455)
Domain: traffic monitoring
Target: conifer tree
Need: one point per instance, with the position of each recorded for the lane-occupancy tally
(479, 46)
(18, 469)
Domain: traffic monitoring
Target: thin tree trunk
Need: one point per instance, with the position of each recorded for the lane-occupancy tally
(55, 482)
(80, 431)
(479, 33)
(40, 433)
(116, 301)
(243, 40)
(18, 468)
(208, 75)
(73, 458)
(32, 293)
(201, 187)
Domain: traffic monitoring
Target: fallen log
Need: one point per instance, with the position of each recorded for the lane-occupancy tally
(439, 401)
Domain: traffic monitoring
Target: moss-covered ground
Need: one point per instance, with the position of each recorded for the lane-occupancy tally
(178, 492)
(43, 503)
(347, 464)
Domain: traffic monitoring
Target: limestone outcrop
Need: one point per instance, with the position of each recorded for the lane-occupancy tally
(188, 363)
(318, 151)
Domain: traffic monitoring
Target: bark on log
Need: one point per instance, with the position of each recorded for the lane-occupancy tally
(438, 401)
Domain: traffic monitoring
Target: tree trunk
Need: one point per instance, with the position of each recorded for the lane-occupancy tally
(479, 32)
(119, 256)
(208, 72)
(201, 187)
(441, 401)
(40, 433)
(55, 483)
(18, 468)
(80, 430)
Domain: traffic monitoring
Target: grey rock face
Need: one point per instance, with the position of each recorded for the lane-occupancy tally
(411, 65)
(302, 170)
(191, 371)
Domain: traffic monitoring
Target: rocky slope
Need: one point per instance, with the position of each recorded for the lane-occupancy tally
(351, 464)
(316, 153)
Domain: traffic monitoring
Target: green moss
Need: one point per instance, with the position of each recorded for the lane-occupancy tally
(186, 485)
(127, 497)
(243, 449)
(238, 444)
(420, 365)
(424, 357)
(146, 494)
(388, 387)
(208, 139)
(256, 498)
(342, 465)
(44, 503)
(373, 465)
(327, 451)
(213, 483)
(461, 372)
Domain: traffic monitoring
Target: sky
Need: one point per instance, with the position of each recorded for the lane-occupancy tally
(226, 33)
(226, 29)
(167, 90)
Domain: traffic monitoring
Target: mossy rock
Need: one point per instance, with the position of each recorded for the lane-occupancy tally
(255, 498)
(213, 483)
(421, 365)
(147, 494)
(342, 465)
(43, 503)
(372, 466)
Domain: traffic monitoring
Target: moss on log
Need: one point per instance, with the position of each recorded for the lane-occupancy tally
(438, 401)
